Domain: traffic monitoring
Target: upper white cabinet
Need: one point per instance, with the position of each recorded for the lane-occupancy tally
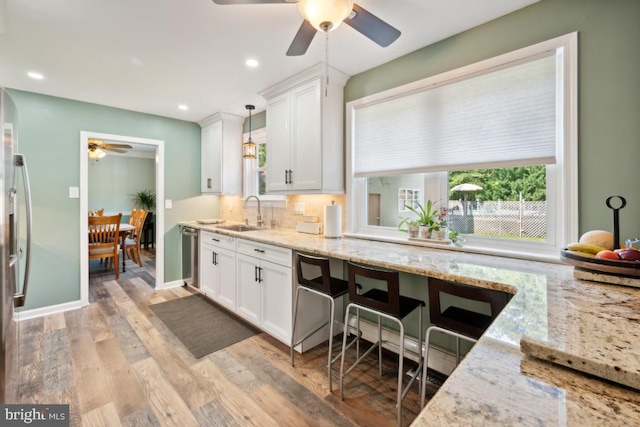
(221, 154)
(305, 142)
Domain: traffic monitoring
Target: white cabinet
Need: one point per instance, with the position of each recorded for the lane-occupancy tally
(305, 149)
(265, 287)
(218, 268)
(221, 154)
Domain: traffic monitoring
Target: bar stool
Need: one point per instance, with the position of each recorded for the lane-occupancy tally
(456, 321)
(325, 286)
(381, 303)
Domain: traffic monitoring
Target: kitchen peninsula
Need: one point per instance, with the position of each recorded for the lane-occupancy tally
(497, 384)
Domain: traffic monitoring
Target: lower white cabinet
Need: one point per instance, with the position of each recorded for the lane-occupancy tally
(265, 287)
(252, 279)
(218, 268)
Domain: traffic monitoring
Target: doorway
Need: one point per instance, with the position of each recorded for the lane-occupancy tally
(157, 147)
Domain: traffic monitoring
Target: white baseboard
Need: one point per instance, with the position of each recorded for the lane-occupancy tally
(439, 360)
(175, 284)
(45, 311)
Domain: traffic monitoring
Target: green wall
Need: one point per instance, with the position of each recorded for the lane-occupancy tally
(609, 89)
(50, 139)
(114, 180)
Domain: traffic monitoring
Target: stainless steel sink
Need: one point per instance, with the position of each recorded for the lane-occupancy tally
(238, 227)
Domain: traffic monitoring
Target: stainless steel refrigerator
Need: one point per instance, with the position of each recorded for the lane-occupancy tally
(15, 244)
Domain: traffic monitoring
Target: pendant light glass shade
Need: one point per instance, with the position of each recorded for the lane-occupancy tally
(325, 15)
(249, 148)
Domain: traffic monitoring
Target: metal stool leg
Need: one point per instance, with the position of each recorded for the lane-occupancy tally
(330, 361)
(379, 347)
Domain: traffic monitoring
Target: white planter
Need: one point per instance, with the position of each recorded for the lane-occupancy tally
(438, 234)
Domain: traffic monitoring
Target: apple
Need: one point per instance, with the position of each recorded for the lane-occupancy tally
(607, 254)
(629, 255)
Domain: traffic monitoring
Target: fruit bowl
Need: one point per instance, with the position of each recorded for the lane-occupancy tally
(608, 266)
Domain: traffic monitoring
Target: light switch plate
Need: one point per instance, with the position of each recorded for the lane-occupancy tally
(74, 192)
(168, 204)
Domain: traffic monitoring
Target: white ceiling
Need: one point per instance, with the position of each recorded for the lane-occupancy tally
(151, 55)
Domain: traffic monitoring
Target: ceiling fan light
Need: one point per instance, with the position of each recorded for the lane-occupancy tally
(321, 12)
(95, 154)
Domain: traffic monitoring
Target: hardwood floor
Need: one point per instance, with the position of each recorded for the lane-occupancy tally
(116, 364)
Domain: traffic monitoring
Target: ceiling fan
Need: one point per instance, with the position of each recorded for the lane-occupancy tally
(326, 15)
(97, 146)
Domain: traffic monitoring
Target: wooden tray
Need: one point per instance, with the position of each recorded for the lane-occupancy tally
(608, 266)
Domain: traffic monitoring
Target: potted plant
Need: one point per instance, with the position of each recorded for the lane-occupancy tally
(426, 217)
(412, 226)
(145, 199)
(438, 224)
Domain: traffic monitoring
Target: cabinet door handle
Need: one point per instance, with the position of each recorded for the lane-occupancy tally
(259, 250)
(215, 240)
(259, 274)
(208, 182)
(286, 176)
(290, 177)
(255, 273)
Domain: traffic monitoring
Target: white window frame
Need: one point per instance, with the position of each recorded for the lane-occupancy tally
(562, 177)
(250, 168)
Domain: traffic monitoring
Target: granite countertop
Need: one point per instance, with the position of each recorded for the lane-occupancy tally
(594, 327)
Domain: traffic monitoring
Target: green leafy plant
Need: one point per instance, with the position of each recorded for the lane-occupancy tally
(145, 199)
(408, 222)
(429, 215)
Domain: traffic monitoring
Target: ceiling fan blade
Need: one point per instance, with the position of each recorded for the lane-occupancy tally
(115, 150)
(123, 146)
(302, 40)
(372, 27)
(223, 2)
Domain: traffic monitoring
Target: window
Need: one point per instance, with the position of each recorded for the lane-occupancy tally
(255, 171)
(506, 125)
(408, 197)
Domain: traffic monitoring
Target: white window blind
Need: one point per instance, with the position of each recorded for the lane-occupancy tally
(505, 117)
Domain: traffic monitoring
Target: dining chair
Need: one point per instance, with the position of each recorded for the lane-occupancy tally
(103, 238)
(132, 242)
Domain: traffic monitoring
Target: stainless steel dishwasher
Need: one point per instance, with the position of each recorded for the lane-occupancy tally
(190, 256)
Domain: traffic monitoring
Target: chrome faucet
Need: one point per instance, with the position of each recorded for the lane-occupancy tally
(260, 222)
(273, 220)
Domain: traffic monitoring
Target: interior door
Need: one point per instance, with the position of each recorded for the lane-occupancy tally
(373, 209)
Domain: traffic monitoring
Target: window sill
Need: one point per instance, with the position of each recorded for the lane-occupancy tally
(531, 256)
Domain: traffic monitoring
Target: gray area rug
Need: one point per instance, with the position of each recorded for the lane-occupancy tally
(202, 326)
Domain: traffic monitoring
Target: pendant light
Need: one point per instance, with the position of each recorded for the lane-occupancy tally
(249, 147)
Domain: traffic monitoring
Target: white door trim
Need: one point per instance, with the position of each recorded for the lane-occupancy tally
(84, 206)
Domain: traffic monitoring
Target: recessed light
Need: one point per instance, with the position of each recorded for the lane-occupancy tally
(251, 63)
(34, 75)
(183, 107)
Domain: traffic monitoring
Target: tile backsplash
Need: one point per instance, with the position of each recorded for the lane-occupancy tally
(231, 209)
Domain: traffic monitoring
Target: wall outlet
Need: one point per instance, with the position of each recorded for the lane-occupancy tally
(168, 204)
(298, 208)
(74, 192)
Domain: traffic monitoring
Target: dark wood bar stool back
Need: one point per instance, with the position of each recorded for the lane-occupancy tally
(387, 303)
(459, 322)
(324, 286)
